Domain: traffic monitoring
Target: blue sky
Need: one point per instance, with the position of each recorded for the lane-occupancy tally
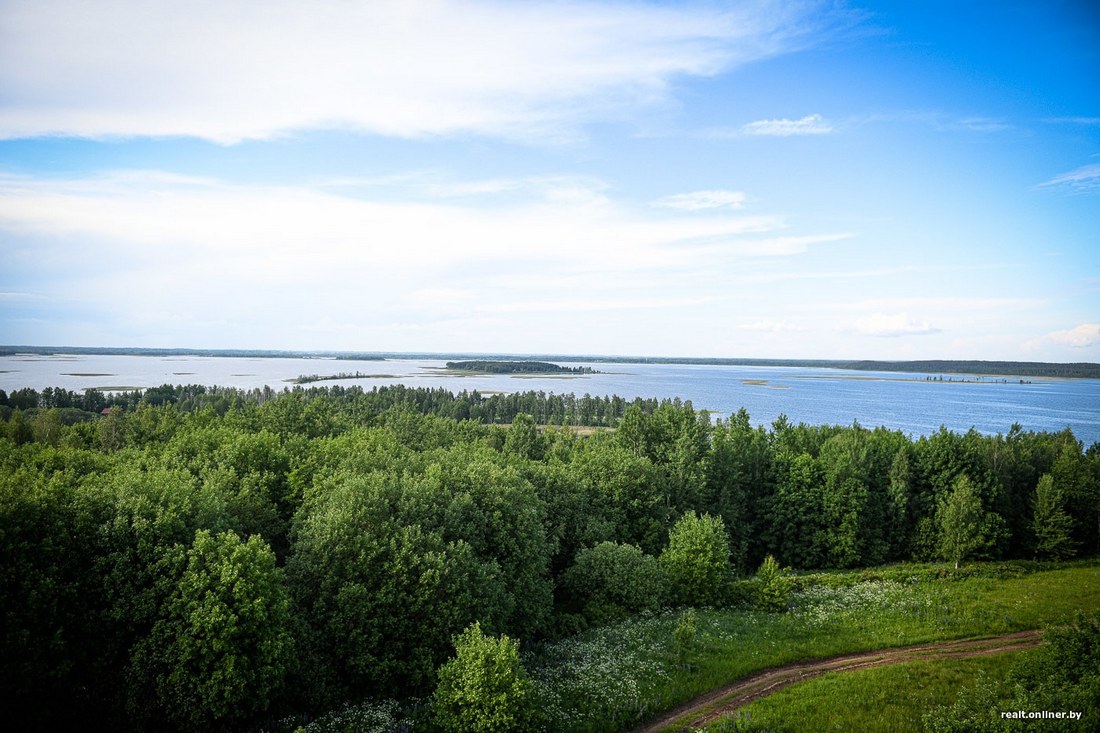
(744, 179)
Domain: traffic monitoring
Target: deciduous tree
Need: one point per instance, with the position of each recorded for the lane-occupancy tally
(962, 522)
(1051, 525)
(610, 581)
(696, 560)
(219, 650)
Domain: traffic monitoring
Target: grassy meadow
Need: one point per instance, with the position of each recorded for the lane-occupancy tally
(890, 699)
(616, 677)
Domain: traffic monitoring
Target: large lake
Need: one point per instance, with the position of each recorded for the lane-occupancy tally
(908, 402)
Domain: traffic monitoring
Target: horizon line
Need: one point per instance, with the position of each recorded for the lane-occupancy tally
(264, 352)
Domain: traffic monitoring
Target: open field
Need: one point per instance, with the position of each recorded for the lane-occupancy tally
(619, 677)
(885, 699)
(739, 699)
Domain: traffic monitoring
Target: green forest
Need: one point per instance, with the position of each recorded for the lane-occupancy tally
(196, 558)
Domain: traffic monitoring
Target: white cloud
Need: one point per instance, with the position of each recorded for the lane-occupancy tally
(229, 70)
(941, 304)
(768, 326)
(783, 246)
(156, 226)
(893, 325)
(1083, 336)
(1087, 121)
(701, 200)
(190, 259)
(809, 125)
(590, 305)
(1085, 178)
(984, 124)
(433, 184)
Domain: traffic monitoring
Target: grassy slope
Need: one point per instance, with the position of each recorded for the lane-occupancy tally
(881, 700)
(929, 611)
(616, 677)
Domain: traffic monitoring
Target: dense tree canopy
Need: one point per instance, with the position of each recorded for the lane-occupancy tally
(221, 646)
(196, 558)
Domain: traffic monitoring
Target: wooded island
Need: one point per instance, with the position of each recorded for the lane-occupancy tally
(517, 367)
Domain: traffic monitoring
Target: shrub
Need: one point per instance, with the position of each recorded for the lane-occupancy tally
(696, 560)
(684, 634)
(610, 582)
(381, 716)
(485, 688)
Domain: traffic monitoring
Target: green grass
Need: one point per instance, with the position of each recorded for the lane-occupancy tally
(615, 677)
(889, 699)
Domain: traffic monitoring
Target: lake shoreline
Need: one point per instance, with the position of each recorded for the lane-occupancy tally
(1069, 370)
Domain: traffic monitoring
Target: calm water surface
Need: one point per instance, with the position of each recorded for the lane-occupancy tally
(907, 402)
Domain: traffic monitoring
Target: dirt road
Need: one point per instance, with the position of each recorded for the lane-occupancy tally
(714, 704)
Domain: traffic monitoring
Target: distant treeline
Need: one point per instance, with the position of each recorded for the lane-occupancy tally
(517, 367)
(546, 408)
(1079, 370)
(148, 351)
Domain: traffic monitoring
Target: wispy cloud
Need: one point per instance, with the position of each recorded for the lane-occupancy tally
(784, 246)
(1087, 121)
(783, 127)
(983, 124)
(944, 304)
(589, 305)
(1085, 178)
(830, 275)
(13, 296)
(935, 119)
(769, 326)
(440, 185)
(701, 200)
(893, 325)
(303, 254)
(233, 70)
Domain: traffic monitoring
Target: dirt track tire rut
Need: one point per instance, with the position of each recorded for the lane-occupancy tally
(711, 705)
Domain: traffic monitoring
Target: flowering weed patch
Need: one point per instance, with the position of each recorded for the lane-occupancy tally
(820, 605)
(606, 677)
(373, 716)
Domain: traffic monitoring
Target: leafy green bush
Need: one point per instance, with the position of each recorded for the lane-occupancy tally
(610, 581)
(485, 688)
(221, 648)
(741, 593)
(696, 560)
